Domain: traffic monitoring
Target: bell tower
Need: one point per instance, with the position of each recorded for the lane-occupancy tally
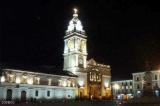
(75, 49)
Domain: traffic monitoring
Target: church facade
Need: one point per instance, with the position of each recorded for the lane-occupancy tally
(80, 78)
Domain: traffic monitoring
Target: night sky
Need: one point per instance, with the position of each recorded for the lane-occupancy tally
(122, 33)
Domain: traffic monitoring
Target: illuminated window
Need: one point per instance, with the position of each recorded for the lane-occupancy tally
(95, 76)
(126, 87)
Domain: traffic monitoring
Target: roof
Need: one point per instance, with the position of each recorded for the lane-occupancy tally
(129, 80)
(41, 70)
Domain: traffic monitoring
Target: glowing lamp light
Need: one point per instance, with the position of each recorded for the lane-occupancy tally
(81, 83)
(49, 81)
(106, 84)
(2, 79)
(64, 83)
(30, 81)
(116, 86)
(18, 80)
(138, 91)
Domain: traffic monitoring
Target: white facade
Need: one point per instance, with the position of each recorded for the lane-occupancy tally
(122, 89)
(75, 49)
(136, 89)
(28, 86)
(44, 92)
(139, 80)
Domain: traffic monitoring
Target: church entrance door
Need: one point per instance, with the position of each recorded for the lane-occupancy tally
(23, 96)
(95, 91)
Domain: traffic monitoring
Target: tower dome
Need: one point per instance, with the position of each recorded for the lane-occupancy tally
(75, 23)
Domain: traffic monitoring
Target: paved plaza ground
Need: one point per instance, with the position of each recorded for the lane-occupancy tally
(69, 103)
(83, 103)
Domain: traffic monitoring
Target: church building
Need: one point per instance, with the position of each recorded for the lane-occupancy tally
(80, 78)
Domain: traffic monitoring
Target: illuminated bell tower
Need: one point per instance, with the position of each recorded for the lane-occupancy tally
(75, 51)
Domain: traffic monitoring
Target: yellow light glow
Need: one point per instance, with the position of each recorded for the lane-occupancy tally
(116, 86)
(49, 81)
(25, 76)
(81, 83)
(38, 80)
(30, 81)
(18, 80)
(106, 84)
(64, 83)
(11, 75)
(2, 79)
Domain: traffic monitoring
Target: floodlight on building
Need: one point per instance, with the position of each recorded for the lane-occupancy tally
(18, 80)
(49, 81)
(108, 66)
(30, 81)
(106, 84)
(116, 86)
(2, 79)
(64, 83)
(138, 91)
(81, 83)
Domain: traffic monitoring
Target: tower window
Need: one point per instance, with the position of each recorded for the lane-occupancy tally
(137, 79)
(155, 77)
(138, 86)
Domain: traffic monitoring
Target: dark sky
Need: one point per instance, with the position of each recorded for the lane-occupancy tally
(122, 33)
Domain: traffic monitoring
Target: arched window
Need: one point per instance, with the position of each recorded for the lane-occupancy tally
(48, 93)
(95, 75)
(155, 77)
(36, 93)
(23, 96)
(9, 95)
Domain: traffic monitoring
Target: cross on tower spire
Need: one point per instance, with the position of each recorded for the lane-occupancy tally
(75, 11)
